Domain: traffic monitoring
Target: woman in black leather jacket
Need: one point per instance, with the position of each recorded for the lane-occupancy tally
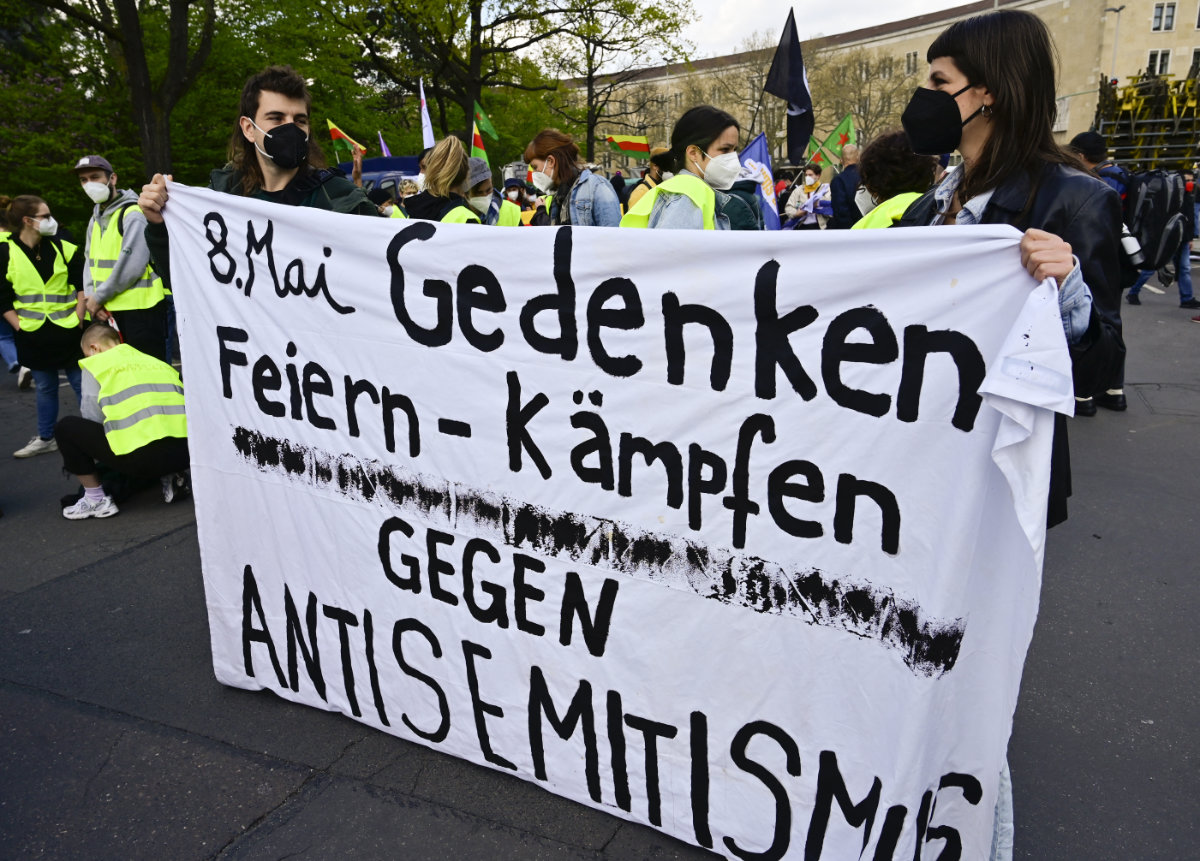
(991, 96)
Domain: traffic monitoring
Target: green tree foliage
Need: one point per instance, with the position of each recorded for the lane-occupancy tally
(461, 48)
(606, 44)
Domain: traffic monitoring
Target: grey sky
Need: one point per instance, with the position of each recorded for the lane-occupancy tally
(721, 25)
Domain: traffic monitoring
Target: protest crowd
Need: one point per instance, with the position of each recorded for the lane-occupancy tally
(976, 147)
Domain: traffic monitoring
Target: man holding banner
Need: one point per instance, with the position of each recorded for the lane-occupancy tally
(272, 157)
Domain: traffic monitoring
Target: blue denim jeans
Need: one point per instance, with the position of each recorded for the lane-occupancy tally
(8, 347)
(47, 397)
(1183, 264)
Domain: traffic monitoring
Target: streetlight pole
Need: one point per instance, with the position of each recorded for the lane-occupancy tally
(1116, 38)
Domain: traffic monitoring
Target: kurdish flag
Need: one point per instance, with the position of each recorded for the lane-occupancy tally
(840, 136)
(630, 145)
(341, 140)
(477, 150)
(814, 154)
(484, 124)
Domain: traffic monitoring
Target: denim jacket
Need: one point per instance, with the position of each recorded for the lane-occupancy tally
(593, 202)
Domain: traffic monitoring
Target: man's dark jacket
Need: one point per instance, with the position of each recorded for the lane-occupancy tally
(841, 195)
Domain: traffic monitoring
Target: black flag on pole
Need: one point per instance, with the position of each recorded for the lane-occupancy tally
(788, 81)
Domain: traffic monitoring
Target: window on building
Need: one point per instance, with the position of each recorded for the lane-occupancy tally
(1159, 63)
(1195, 66)
(910, 63)
(1164, 17)
(886, 67)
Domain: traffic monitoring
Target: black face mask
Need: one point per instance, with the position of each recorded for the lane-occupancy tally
(286, 145)
(932, 121)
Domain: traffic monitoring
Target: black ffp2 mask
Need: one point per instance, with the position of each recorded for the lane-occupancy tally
(932, 121)
(286, 145)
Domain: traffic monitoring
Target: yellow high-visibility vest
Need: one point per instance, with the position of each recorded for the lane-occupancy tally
(141, 398)
(38, 301)
(693, 188)
(460, 215)
(103, 252)
(510, 214)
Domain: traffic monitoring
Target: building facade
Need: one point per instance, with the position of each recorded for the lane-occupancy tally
(872, 71)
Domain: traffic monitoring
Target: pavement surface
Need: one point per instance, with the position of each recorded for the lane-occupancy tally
(116, 742)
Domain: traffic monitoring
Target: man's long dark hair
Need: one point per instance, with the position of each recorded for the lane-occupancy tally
(1010, 53)
(242, 155)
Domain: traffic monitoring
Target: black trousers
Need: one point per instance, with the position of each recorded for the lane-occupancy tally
(145, 330)
(82, 443)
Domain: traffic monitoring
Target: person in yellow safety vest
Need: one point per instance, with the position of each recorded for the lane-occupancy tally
(388, 207)
(704, 156)
(42, 302)
(118, 278)
(657, 172)
(133, 422)
(443, 199)
(485, 201)
(893, 177)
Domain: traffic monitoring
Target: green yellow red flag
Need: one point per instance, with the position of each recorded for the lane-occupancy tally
(484, 124)
(630, 145)
(343, 141)
(477, 150)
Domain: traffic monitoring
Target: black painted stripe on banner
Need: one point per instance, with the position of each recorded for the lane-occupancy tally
(929, 647)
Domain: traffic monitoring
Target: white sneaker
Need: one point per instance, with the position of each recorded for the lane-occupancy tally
(24, 378)
(86, 508)
(175, 486)
(36, 446)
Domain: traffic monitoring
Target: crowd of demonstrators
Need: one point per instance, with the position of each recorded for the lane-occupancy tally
(990, 97)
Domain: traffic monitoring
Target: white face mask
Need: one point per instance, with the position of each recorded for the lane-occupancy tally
(481, 203)
(864, 200)
(666, 175)
(97, 191)
(47, 226)
(419, 179)
(388, 210)
(722, 170)
(542, 181)
(514, 194)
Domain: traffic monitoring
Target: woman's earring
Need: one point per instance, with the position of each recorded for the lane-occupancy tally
(986, 110)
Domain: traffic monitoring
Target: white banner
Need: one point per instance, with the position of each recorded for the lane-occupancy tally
(737, 535)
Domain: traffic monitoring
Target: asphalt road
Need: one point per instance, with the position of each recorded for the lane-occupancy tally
(118, 743)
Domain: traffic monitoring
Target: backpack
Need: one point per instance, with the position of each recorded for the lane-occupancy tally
(1153, 212)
